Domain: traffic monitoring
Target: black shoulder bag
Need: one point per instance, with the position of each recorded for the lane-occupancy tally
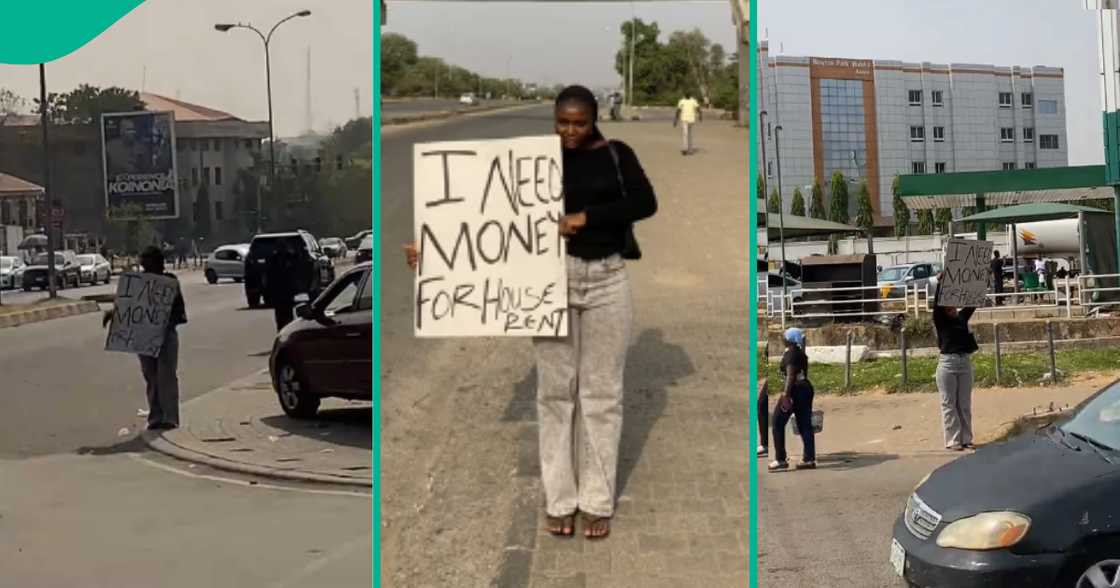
(630, 249)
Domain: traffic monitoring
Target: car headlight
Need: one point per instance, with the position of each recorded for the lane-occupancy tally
(987, 530)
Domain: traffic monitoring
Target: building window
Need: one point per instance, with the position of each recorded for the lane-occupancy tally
(843, 125)
(937, 97)
(917, 134)
(1030, 165)
(1028, 134)
(769, 130)
(206, 176)
(1048, 106)
(194, 176)
(1048, 141)
(1005, 99)
(1009, 166)
(1027, 99)
(249, 144)
(204, 145)
(915, 97)
(217, 176)
(217, 144)
(918, 167)
(770, 169)
(1007, 135)
(194, 210)
(939, 167)
(218, 212)
(939, 134)
(180, 144)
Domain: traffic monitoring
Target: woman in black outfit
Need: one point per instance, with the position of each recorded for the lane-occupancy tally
(762, 408)
(954, 371)
(579, 377)
(796, 400)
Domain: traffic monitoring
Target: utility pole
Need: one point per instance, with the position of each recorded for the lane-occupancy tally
(47, 195)
(357, 103)
(308, 97)
(633, 46)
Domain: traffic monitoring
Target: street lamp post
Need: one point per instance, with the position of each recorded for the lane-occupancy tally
(268, 85)
(781, 221)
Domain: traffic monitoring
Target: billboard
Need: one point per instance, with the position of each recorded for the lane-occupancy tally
(138, 155)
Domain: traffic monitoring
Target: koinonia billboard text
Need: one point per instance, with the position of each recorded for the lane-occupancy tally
(141, 175)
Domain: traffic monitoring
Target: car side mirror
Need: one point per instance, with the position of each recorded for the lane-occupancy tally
(304, 311)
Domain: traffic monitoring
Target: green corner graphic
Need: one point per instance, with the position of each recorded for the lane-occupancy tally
(41, 31)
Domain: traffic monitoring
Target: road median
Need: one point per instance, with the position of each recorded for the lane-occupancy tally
(18, 315)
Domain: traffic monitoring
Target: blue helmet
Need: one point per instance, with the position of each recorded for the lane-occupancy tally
(795, 336)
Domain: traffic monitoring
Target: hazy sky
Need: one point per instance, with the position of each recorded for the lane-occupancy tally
(1057, 33)
(546, 42)
(186, 57)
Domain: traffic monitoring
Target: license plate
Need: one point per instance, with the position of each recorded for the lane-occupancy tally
(898, 557)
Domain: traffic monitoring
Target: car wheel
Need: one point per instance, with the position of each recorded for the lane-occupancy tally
(211, 277)
(1093, 565)
(295, 397)
(1103, 573)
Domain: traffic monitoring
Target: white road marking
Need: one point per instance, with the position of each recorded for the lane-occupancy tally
(246, 483)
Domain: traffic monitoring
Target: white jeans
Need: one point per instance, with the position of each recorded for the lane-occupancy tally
(686, 136)
(579, 390)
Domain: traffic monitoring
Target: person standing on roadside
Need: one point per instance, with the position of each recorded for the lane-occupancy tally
(580, 376)
(997, 276)
(161, 373)
(796, 401)
(280, 285)
(763, 410)
(688, 114)
(954, 371)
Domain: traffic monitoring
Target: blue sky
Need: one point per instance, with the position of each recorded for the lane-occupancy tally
(1056, 33)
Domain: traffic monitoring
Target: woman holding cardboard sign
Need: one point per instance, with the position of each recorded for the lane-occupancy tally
(579, 377)
(954, 370)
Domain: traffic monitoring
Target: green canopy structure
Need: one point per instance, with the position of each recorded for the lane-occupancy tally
(803, 226)
(1026, 213)
(1002, 188)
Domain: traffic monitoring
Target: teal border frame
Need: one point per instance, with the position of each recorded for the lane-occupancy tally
(752, 304)
(375, 226)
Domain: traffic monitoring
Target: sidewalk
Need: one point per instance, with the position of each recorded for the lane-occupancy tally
(240, 427)
(682, 515)
(867, 425)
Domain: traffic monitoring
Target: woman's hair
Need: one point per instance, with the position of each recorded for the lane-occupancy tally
(586, 98)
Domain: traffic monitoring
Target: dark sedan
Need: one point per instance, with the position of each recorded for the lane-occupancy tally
(1042, 510)
(327, 351)
(66, 267)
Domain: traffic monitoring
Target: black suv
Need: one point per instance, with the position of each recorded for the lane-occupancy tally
(315, 269)
(66, 268)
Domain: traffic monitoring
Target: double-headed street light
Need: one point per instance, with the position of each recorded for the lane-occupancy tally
(268, 85)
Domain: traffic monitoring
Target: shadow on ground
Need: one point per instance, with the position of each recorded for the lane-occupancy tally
(852, 460)
(132, 445)
(351, 426)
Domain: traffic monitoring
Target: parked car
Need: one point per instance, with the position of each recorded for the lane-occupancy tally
(365, 250)
(11, 272)
(94, 269)
(355, 240)
(1039, 510)
(67, 271)
(334, 247)
(314, 268)
(468, 100)
(226, 263)
(325, 351)
(895, 280)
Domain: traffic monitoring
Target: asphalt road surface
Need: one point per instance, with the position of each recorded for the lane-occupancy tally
(426, 105)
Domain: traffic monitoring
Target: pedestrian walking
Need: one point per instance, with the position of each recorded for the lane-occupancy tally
(580, 376)
(280, 285)
(195, 252)
(997, 276)
(763, 409)
(797, 402)
(181, 252)
(688, 114)
(161, 373)
(954, 371)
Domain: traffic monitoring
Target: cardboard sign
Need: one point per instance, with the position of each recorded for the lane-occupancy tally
(141, 313)
(966, 280)
(492, 261)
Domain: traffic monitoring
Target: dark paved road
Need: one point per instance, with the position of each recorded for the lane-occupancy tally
(391, 109)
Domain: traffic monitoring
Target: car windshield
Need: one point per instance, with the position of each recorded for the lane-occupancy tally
(893, 274)
(85, 260)
(265, 247)
(1099, 420)
(42, 259)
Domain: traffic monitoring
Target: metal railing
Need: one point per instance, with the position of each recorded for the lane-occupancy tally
(830, 301)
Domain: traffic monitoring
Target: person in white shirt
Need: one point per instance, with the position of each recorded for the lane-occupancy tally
(688, 114)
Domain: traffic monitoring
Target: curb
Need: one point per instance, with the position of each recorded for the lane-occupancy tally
(159, 443)
(37, 315)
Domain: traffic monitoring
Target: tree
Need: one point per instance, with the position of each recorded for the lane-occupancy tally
(838, 209)
(865, 216)
(86, 104)
(925, 222)
(398, 53)
(774, 205)
(759, 186)
(944, 217)
(10, 102)
(817, 208)
(798, 206)
(901, 211)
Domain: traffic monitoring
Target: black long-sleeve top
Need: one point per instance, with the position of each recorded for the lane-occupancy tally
(953, 336)
(591, 186)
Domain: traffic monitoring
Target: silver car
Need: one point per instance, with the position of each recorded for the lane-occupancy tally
(11, 272)
(896, 279)
(94, 269)
(227, 263)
